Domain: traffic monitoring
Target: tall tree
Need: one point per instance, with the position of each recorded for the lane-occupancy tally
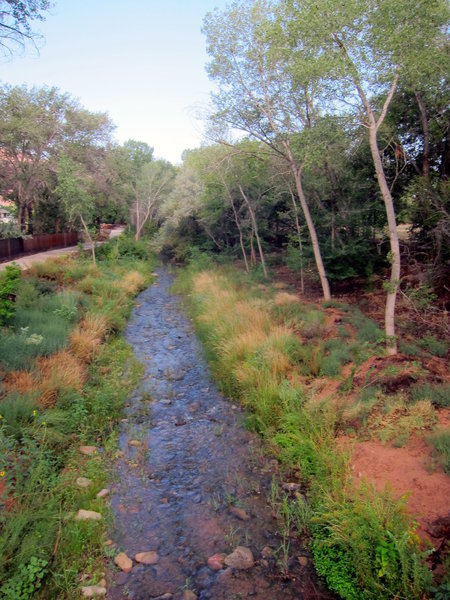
(260, 94)
(15, 26)
(367, 47)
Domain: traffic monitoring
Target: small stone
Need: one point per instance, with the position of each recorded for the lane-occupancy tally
(164, 597)
(102, 582)
(239, 513)
(91, 591)
(103, 493)
(216, 562)
(124, 420)
(87, 515)
(302, 561)
(147, 558)
(241, 559)
(291, 487)
(83, 482)
(124, 563)
(109, 543)
(88, 450)
(188, 595)
(266, 552)
(166, 401)
(135, 443)
(120, 454)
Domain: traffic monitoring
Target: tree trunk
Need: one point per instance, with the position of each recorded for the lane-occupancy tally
(238, 225)
(389, 319)
(300, 245)
(426, 135)
(255, 227)
(312, 232)
(90, 239)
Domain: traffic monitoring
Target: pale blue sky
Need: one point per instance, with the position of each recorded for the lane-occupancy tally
(141, 61)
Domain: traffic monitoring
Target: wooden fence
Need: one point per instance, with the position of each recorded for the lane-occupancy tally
(15, 247)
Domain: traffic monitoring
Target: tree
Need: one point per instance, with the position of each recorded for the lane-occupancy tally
(367, 47)
(153, 183)
(36, 126)
(261, 95)
(15, 27)
(77, 202)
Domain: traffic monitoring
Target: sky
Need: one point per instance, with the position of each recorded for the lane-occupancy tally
(141, 61)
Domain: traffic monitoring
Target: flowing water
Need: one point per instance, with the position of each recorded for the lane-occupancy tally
(191, 463)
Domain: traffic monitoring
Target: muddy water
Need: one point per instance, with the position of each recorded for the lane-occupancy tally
(190, 464)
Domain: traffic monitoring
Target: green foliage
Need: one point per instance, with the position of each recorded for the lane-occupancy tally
(434, 346)
(334, 565)
(366, 329)
(441, 445)
(9, 282)
(438, 393)
(124, 247)
(27, 581)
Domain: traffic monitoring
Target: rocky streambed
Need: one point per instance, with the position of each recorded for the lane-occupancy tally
(191, 502)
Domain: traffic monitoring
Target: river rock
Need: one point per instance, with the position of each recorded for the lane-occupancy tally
(216, 562)
(147, 558)
(87, 515)
(291, 487)
(88, 450)
(188, 595)
(135, 443)
(124, 563)
(103, 493)
(83, 482)
(91, 591)
(266, 552)
(241, 559)
(302, 560)
(239, 513)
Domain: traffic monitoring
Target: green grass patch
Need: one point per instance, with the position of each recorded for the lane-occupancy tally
(437, 393)
(441, 447)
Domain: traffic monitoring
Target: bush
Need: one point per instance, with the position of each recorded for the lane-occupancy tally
(438, 393)
(434, 346)
(9, 282)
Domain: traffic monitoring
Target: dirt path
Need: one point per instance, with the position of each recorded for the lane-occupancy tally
(192, 482)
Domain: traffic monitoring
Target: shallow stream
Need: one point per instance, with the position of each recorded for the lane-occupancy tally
(191, 463)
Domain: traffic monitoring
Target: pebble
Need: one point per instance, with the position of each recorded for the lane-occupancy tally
(109, 543)
(90, 591)
(239, 513)
(134, 443)
(124, 563)
(147, 558)
(291, 487)
(188, 595)
(87, 515)
(88, 450)
(241, 559)
(266, 552)
(83, 482)
(103, 493)
(216, 562)
(302, 560)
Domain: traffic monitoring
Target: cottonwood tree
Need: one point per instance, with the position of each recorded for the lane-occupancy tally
(261, 95)
(367, 47)
(15, 26)
(153, 184)
(73, 192)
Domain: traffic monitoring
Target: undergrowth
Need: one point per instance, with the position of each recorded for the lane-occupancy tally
(66, 373)
(260, 350)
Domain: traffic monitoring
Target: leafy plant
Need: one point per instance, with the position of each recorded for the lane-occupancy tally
(27, 581)
(9, 283)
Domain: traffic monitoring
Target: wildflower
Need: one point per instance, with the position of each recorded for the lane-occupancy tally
(34, 413)
(1, 417)
(2, 473)
(44, 423)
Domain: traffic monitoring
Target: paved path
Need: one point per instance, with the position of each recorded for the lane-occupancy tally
(25, 262)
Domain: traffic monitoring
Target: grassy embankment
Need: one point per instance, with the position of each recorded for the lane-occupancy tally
(65, 374)
(276, 354)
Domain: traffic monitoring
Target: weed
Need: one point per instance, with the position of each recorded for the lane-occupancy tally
(441, 444)
(438, 394)
(434, 346)
(9, 282)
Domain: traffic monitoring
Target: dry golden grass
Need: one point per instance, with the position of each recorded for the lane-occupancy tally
(279, 285)
(19, 381)
(87, 337)
(282, 298)
(57, 372)
(132, 282)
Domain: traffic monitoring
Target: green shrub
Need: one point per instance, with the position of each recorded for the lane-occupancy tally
(9, 282)
(441, 445)
(123, 247)
(366, 329)
(410, 348)
(27, 581)
(434, 346)
(437, 393)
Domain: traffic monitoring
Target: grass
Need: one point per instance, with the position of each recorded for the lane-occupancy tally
(58, 392)
(260, 350)
(441, 445)
(438, 394)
